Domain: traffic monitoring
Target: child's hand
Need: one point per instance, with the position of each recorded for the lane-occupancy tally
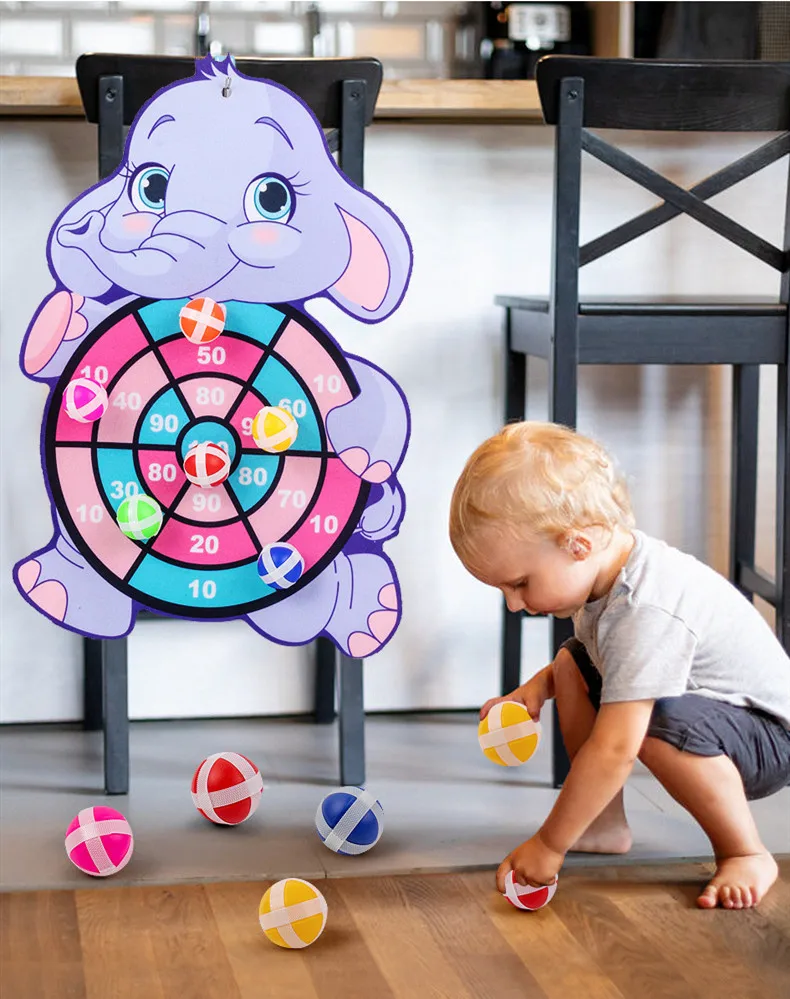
(533, 863)
(533, 695)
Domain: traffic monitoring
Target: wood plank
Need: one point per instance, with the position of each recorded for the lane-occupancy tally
(40, 954)
(669, 918)
(460, 923)
(776, 904)
(460, 100)
(40, 95)
(155, 942)
(463, 99)
(261, 969)
(341, 964)
(399, 939)
(545, 945)
(635, 965)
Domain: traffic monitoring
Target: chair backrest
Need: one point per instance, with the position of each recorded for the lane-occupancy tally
(579, 92)
(748, 96)
(342, 94)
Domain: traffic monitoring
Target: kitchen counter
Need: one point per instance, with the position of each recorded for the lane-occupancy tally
(409, 100)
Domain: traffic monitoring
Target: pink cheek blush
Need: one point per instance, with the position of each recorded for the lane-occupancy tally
(138, 222)
(265, 234)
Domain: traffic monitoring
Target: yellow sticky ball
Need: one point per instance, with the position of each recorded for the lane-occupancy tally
(508, 735)
(292, 913)
(274, 429)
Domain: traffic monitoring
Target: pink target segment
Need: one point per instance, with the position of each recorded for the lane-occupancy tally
(245, 413)
(163, 475)
(112, 350)
(315, 366)
(128, 397)
(229, 356)
(94, 521)
(330, 514)
(204, 546)
(206, 507)
(71, 430)
(210, 396)
(288, 501)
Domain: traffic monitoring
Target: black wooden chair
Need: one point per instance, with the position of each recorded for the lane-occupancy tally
(581, 93)
(342, 94)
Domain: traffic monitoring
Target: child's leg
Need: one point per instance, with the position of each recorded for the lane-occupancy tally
(711, 788)
(609, 833)
(711, 757)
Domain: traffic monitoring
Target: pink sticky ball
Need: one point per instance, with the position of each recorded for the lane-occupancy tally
(84, 400)
(99, 841)
(525, 896)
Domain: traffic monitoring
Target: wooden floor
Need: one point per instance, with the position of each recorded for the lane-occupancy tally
(617, 933)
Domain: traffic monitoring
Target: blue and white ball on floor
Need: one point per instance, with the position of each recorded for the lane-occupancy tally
(280, 565)
(350, 820)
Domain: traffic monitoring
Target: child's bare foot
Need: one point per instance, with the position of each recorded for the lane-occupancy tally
(610, 833)
(739, 882)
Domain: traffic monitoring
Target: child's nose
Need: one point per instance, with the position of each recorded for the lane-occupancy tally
(514, 602)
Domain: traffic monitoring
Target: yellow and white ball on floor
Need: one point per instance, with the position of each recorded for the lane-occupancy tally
(508, 735)
(292, 913)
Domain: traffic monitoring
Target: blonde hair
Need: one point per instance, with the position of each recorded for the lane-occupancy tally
(539, 478)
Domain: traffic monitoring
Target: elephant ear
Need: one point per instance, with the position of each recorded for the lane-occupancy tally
(378, 261)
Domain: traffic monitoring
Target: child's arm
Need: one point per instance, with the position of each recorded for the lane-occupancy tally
(599, 770)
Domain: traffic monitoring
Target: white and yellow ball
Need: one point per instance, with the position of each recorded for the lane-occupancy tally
(508, 735)
(274, 429)
(292, 913)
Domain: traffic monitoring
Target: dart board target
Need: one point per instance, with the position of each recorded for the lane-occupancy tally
(165, 395)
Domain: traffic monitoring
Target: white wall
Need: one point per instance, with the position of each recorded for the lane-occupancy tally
(476, 201)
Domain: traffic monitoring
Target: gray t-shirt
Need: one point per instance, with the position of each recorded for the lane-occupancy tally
(671, 625)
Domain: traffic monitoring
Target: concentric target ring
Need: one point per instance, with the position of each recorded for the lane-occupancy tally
(164, 393)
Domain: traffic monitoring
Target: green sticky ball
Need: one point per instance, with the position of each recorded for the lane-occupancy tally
(140, 517)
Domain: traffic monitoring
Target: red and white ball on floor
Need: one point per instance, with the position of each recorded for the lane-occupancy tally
(227, 788)
(99, 841)
(525, 896)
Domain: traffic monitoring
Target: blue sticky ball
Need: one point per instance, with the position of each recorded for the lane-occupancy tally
(350, 820)
(280, 565)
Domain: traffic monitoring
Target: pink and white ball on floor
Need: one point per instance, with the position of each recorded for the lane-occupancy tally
(99, 841)
(525, 896)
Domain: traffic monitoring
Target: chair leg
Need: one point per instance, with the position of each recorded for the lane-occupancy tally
(563, 400)
(92, 685)
(561, 631)
(116, 716)
(515, 408)
(325, 677)
(743, 487)
(352, 722)
(783, 506)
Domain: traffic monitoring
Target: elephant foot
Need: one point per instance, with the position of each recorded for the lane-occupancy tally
(367, 613)
(58, 320)
(358, 460)
(60, 584)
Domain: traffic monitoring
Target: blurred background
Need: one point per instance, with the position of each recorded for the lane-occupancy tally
(413, 40)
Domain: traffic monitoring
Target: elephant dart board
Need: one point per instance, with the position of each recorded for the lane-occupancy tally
(167, 394)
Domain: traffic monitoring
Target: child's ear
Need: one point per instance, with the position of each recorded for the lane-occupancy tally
(577, 545)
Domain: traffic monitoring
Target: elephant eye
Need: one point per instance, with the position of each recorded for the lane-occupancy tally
(270, 198)
(148, 187)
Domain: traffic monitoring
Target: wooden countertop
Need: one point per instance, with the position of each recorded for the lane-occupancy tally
(400, 100)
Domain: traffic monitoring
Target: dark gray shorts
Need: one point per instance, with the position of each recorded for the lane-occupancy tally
(756, 742)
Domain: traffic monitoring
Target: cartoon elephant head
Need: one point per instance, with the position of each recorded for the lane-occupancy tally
(236, 197)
